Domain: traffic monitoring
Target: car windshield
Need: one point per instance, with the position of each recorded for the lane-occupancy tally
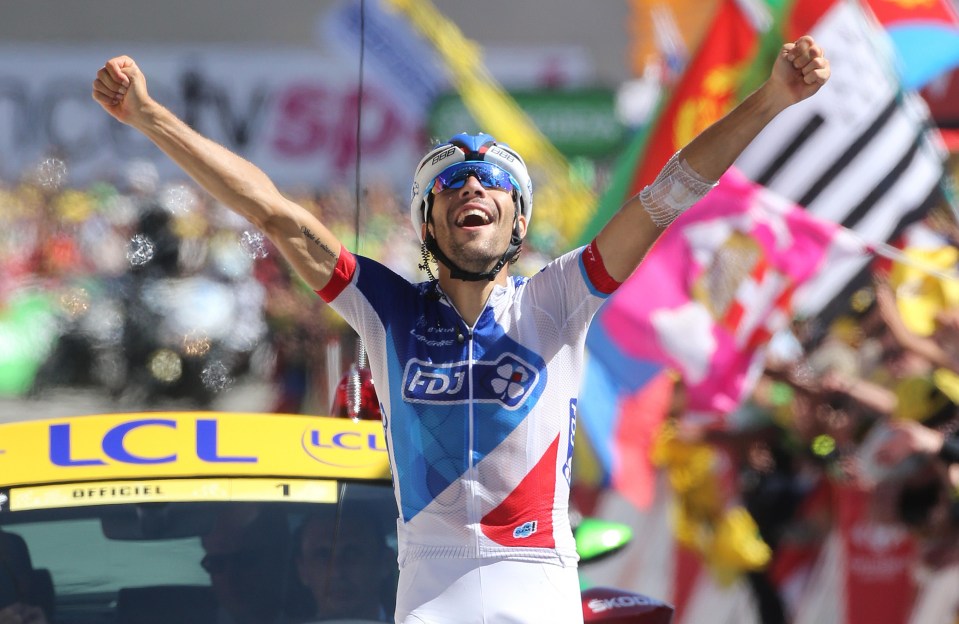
(197, 562)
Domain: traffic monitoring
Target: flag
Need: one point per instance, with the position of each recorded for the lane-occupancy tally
(625, 401)
(614, 379)
(925, 35)
(610, 451)
(723, 280)
(861, 153)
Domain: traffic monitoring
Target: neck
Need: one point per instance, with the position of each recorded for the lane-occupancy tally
(469, 298)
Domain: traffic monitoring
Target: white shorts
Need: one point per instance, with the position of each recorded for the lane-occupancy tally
(466, 591)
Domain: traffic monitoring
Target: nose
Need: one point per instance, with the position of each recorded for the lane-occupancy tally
(472, 186)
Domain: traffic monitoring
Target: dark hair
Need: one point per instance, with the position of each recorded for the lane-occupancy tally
(916, 503)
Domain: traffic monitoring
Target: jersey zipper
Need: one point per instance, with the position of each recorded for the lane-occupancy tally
(471, 511)
(474, 520)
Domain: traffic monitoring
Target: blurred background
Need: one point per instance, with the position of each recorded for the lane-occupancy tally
(808, 306)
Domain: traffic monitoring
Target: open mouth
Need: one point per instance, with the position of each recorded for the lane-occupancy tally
(473, 217)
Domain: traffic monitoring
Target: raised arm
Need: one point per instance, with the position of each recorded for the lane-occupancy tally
(799, 71)
(121, 89)
(928, 348)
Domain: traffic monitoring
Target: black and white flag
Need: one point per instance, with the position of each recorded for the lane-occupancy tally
(861, 153)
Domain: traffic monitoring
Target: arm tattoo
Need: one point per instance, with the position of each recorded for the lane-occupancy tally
(310, 235)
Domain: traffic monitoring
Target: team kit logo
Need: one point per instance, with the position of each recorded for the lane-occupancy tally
(508, 381)
(525, 530)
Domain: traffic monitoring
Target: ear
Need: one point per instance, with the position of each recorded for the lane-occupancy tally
(428, 216)
(522, 223)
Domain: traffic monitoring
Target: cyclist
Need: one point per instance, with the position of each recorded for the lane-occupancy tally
(477, 372)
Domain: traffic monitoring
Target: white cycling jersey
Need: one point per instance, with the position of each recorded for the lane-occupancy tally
(479, 420)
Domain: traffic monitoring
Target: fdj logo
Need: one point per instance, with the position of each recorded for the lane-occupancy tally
(507, 381)
(525, 530)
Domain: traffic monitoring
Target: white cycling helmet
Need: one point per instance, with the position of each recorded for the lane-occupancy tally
(463, 148)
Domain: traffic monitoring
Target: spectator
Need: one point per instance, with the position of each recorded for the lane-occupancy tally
(346, 565)
(245, 554)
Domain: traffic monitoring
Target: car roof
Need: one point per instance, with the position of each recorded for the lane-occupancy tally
(202, 451)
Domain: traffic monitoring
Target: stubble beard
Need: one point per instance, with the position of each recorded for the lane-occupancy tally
(476, 256)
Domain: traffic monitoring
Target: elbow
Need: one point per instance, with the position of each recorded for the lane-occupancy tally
(264, 208)
(273, 223)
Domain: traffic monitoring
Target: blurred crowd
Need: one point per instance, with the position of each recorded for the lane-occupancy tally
(850, 433)
(148, 290)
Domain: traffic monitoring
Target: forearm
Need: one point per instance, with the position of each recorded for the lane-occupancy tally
(629, 235)
(871, 396)
(798, 72)
(928, 349)
(714, 150)
(922, 346)
(305, 243)
(238, 184)
(121, 89)
(229, 178)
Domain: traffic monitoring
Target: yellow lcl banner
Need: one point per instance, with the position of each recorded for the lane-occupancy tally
(181, 444)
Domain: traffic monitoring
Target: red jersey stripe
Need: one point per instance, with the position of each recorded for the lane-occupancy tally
(342, 274)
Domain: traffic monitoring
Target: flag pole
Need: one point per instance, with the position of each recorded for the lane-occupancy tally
(895, 254)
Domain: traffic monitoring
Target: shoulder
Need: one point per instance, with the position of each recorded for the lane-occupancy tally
(562, 267)
(373, 277)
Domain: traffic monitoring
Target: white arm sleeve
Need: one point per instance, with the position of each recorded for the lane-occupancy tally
(676, 188)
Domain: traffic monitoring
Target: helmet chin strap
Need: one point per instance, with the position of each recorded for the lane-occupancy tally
(515, 242)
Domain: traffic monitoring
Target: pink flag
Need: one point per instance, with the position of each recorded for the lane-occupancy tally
(718, 284)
